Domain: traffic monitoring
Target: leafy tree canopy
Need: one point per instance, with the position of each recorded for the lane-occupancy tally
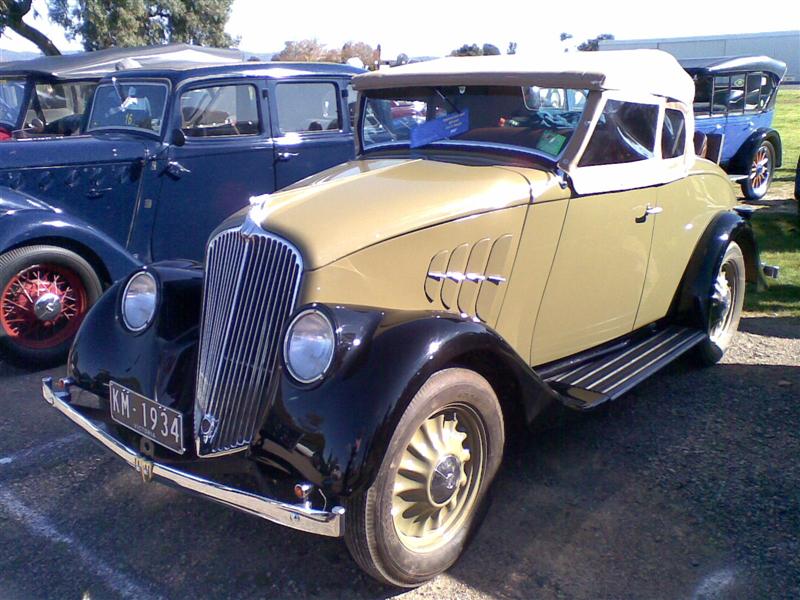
(106, 23)
(485, 50)
(312, 50)
(11, 13)
(593, 44)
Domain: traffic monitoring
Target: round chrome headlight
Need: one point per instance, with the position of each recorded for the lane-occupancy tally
(309, 345)
(139, 301)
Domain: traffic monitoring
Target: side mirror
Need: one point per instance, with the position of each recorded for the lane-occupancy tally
(178, 137)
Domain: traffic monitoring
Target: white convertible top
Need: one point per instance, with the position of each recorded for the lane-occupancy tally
(637, 71)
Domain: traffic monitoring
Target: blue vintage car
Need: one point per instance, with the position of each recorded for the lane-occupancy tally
(734, 104)
(167, 155)
(47, 96)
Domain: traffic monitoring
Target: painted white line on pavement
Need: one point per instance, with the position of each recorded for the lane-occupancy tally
(39, 525)
(44, 448)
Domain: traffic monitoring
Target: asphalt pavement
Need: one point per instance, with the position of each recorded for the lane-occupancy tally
(687, 487)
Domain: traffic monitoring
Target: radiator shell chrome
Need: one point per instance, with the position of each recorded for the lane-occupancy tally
(250, 290)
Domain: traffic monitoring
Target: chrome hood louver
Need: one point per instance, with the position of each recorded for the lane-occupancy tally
(251, 286)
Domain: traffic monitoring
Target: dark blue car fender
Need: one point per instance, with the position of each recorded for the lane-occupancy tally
(740, 163)
(25, 221)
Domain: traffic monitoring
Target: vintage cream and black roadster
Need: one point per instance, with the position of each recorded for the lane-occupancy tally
(515, 233)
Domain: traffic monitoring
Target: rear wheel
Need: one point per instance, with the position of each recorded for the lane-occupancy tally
(725, 306)
(45, 291)
(414, 521)
(759, 177)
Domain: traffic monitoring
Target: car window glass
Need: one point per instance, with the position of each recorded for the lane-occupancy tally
(352, 103)
(529, 118)
(703, 91)
(221, 110)
(722, 88)
(625, 132)
(12, 92)
(673, 134)
(736, 96)
(60, 107)
(767, 90)
(754, 82)
(307, 107)
(134, 105)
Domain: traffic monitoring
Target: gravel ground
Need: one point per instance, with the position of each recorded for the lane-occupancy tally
(687, 487)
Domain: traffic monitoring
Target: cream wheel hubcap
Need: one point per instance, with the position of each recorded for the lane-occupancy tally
(438, 478)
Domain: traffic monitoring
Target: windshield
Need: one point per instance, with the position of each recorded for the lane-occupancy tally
(132, 105)
(528, 118)
(12, 92)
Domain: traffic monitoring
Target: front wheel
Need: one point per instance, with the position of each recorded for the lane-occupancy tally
(725, 306)
(762, 166)
(413, 522)
(45, 291)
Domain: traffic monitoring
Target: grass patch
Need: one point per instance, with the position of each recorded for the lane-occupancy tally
(787, 117)
(778, 236)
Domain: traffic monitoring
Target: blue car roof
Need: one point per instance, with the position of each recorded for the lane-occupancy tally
(733, 64)
(177, 72)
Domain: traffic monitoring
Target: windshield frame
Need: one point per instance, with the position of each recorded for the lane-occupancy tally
(26, 98)
(456, 144)
(166, 83)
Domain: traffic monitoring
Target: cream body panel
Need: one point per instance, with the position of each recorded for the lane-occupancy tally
(363, 203)
(537, 249)
(394, 273)
(596, 282)
(689, 205)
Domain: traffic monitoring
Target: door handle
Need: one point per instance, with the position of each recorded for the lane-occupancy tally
(650, 210)
(283, 156)
(97, 192)
(176, 170)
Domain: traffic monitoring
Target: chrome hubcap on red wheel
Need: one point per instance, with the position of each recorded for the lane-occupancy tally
(42, 306)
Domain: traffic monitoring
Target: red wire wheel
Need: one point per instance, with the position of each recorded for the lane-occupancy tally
(43, 306)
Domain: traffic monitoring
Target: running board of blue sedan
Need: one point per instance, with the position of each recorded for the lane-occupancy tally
(594, 377)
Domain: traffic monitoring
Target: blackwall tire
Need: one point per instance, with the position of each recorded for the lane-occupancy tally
(724, 323)
(45, 292)
(413, 522)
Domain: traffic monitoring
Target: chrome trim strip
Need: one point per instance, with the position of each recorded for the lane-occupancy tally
(328, 523)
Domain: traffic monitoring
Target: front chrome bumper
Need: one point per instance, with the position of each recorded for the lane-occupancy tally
(329, 523)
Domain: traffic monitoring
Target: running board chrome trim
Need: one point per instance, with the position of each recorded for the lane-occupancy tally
(606, 376)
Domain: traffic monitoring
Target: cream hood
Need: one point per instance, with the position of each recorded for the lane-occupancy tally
(361, 203)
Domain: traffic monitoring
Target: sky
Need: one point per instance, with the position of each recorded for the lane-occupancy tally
(436, 28)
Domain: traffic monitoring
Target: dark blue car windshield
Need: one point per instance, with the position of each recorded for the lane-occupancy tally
(134, 105)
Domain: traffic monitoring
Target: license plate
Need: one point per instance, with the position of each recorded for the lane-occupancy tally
(156, 422)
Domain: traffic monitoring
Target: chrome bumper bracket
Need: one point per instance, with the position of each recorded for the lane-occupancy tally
(328, 523)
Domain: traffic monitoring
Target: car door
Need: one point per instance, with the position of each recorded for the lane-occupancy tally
(312, 128)
(223, 157)
(595, 283)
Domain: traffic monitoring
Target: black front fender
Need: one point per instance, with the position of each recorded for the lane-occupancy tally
(345, 423)
(159, 362)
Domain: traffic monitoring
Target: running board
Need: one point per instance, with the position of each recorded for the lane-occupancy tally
(605, 375)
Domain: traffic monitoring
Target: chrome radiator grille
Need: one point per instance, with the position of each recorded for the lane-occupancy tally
(251, 285)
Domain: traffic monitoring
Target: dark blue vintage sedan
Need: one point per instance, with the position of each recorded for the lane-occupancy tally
(167, 155)
(734, 104)
(47, 96)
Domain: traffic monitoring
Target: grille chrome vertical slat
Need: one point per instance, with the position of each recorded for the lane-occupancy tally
(251, 286)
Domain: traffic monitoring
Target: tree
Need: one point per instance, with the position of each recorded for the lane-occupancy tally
(360, 50)
(490, 50)
(593, 44)
(467, 50)
(305, 51)
(512, 48)
(105, 23)
(402, 59)
(11, 13)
